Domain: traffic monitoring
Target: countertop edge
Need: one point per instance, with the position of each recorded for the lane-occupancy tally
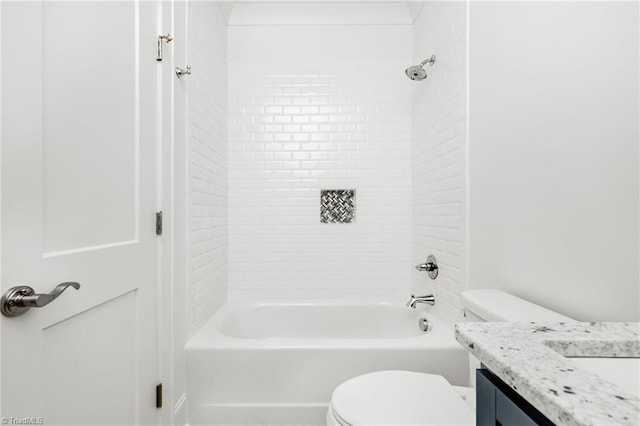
(530, 358)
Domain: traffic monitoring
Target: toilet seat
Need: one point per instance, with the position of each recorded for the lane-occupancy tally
(398, 398)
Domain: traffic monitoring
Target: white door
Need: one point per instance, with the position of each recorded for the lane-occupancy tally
(79, 133)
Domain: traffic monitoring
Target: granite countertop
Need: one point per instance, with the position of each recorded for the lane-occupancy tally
(530, 358)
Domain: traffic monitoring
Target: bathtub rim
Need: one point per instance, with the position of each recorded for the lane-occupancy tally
(210, 337)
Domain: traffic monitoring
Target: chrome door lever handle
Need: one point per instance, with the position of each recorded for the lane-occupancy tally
(18, 300)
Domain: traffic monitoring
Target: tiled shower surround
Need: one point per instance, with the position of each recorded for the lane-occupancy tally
(207, 130)
(314, 107)
(324, 113)
(439, 155)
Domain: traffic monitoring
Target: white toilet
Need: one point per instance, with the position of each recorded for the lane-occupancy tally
(403, 398)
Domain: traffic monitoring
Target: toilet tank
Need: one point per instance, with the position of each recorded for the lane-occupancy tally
(496, 305)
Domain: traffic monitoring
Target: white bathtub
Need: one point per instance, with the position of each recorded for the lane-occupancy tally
(269, 364)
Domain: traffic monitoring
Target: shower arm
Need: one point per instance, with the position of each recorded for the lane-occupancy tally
(431, 61)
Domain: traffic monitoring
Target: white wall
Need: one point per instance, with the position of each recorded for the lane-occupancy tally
(207, 133)
(319, 107)
(554, 155)
(439, 154)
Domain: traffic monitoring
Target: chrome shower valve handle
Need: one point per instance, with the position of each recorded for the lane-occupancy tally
(18, 300)
(430, 267)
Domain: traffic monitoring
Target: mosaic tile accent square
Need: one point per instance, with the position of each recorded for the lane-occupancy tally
(337, 205)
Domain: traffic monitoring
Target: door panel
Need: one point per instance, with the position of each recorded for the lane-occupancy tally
(79, 183)
(89, 60)
(73, 341)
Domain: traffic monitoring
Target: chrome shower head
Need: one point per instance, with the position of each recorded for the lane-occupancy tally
(417, 72)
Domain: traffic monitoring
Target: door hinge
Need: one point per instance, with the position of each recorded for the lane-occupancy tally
(159, 395)
(159, 223)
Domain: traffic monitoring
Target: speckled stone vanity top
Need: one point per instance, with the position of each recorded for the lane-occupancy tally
(530, 358)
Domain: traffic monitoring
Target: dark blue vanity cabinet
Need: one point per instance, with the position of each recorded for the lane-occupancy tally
(499, 405)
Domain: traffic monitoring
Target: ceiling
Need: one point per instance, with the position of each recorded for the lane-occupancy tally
(336, 12)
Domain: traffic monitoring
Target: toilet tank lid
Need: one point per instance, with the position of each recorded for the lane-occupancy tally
(496, 305)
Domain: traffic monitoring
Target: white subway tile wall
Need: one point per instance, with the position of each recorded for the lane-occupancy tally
(208, 189)
(439, 155)
(297, 127)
